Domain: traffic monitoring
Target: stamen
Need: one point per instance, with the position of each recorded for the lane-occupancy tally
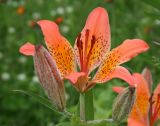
(93, 40)
(85, 50)
(80, 49)
(84, 54)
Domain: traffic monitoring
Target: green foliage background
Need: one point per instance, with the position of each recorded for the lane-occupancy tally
(128, 19)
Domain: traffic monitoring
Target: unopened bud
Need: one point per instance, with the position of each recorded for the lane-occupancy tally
(123, 104)
(49, 76)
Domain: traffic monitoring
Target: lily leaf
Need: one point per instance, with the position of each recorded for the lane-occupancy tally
(154, 3)
(40, 99)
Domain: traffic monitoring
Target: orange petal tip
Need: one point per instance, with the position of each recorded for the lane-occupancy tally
(118, 89)
(27, 49)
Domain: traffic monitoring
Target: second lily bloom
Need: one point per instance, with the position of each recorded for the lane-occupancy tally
(146, 109)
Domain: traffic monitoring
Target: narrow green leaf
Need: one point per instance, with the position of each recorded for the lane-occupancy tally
(40, 99)
(154, 3)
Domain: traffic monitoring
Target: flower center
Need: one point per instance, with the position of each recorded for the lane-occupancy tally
(85, 49)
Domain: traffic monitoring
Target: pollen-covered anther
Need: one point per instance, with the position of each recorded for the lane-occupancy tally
(80, 49)
(85, 44)
(93, 40)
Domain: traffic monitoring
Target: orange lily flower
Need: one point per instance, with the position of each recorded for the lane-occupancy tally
(20, 10)
(91, 49)
(59, 20)
(146, 109)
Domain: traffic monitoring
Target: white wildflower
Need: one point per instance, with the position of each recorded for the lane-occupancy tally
(36, 15)
(1, 55)
(60, 10)
(35, 79)
(69, 9)
(52, 12)
(11, 30)
(5, 76)
(65, 28)
(21, 76)
(22, 59)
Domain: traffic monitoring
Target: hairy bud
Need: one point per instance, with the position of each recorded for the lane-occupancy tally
(123, 104)
(49, 76)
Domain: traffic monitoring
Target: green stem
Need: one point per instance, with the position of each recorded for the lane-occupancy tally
(96, 122)
(86, 106)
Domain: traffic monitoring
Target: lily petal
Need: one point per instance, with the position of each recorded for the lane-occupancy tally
(129, 49)
(132, 122)
(27, 49)
(118, 89)
(139, 113)
(73, 77)
(119, 55)
(157, 100)
(105, 74)
(59, 47)
(157, 90)
(79, 80)
(95, 38)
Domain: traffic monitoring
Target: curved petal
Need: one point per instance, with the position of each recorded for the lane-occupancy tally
(118, 89)
(79, 80)
(129, 49)
(27, 49)
(105, 74)
(132, 122)
(94, 39)
(157, 90)
(157, 100)
(119, 55)
(59, 47)
(140, 109)
(73, 77)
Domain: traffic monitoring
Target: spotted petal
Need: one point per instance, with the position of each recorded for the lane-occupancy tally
(129, 49)
(94, 39)
(59, 47)
(118, 72)
(119, 55)
(139, 113)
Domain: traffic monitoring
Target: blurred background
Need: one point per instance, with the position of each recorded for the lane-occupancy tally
(128, 19)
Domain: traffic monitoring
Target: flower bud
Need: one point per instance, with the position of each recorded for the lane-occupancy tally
(123, 104)
(49, 76)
